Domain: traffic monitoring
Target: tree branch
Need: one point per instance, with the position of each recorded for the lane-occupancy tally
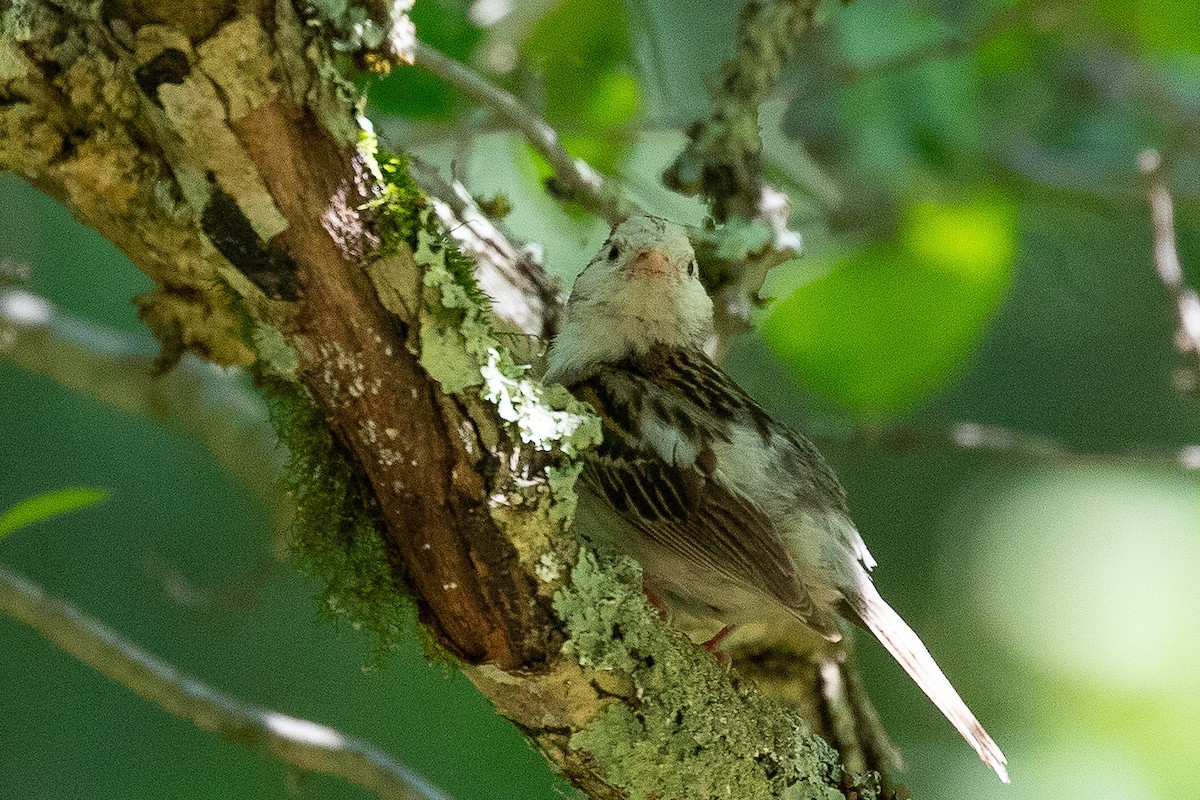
(583, 183)
(723, 162)
(1030, 447)
(1166, 259)
(224, 158)
(303, 744)
(196, 399)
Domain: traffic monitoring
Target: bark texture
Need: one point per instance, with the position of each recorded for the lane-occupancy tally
(216, 145)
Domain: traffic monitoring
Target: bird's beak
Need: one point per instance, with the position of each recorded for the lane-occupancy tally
(649, 261)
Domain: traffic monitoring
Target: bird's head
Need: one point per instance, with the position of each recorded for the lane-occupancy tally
(642, 289)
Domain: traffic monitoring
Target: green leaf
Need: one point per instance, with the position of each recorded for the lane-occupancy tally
(890, 324)
(49, 504)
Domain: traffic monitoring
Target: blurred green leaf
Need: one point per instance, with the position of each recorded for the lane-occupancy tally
(1162, 27)
(582, 53)
(887, 326)
(923, 120)
(1008, 52)
(49, 504)
(614, 100)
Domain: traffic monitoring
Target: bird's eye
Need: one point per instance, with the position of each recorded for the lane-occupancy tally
(692, 268)
(613, 252)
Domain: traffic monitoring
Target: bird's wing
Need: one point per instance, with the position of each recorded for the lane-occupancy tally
(695, 517)
(670, 492)
(701, 389)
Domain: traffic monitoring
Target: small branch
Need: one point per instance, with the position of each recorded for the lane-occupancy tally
(303, 744)
(199, 400)
(723, 161)
(1166, 255)
(584, 184)
(524, 297)
(1021, 444)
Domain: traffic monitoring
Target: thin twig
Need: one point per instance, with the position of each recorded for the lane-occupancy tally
(1019, 444)
(200, 400)
(1166, 255)
(723, 162)
(583, 183)
(303, 744)
(723, 159)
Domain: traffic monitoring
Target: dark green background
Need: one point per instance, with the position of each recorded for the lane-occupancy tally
(1058, 594)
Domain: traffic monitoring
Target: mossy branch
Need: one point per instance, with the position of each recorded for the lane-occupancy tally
(224, 157)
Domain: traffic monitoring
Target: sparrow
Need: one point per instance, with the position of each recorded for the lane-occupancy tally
(734, 517)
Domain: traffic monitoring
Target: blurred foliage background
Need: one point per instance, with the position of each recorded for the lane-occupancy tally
(977, 250)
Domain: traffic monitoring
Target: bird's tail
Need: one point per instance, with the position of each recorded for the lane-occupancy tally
(906, 647)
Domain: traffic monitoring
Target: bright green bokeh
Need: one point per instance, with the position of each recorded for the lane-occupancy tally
(46, 505)
(889, 325)
(580, 52)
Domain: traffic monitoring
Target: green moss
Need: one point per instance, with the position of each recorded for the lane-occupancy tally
(460, 267)
(400, 204)
(334, 536)
(695, 730)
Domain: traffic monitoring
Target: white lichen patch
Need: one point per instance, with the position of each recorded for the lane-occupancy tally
(546, 417)
(548, 569)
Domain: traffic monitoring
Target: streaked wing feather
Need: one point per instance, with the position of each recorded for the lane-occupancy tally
(691, 514)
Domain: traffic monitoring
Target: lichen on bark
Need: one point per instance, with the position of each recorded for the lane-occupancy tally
(225, 157)
(689, 727)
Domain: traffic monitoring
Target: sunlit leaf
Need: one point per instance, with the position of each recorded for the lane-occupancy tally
(887, 326)
(49, 504)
